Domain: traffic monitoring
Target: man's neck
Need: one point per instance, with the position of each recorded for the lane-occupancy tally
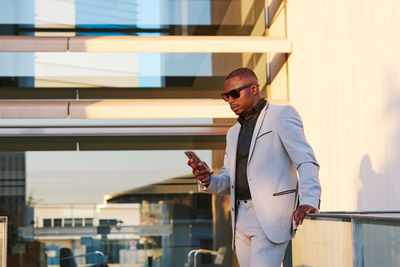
(251, 109)
(255, 109)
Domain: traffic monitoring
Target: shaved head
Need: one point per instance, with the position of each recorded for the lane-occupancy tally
(249, 94)
(242, 73)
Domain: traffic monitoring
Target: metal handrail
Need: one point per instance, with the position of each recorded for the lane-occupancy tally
(363, 216)
(363, 212)
(357, 221)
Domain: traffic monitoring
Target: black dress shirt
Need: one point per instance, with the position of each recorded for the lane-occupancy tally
(248, 122)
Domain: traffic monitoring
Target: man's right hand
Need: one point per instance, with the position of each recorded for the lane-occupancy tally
(203, 175)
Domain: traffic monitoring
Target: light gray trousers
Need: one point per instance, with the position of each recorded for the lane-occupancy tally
(253, 248)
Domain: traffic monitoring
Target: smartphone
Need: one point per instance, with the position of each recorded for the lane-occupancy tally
(191, 155)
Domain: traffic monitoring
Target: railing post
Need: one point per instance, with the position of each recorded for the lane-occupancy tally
(190, 257)
(358, 251)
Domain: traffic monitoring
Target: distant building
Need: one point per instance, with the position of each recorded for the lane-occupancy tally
(179, 202)
(86, 229)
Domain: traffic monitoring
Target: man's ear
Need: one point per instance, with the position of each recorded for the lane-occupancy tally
(255, 89)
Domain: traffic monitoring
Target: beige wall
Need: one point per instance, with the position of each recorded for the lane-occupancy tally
(344, 79)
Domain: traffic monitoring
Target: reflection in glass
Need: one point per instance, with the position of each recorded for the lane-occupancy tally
(123, 207)
(145, 14)
(141, 216)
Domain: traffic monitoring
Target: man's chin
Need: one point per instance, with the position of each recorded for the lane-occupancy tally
(237, 112)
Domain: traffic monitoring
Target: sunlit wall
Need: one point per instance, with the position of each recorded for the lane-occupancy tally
(344, 78)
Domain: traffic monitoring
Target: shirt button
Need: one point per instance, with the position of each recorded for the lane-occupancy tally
(232, 186)
(233, 209)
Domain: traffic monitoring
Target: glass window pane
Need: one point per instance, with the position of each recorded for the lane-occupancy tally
(134, 204)
(46, 222)
(125, 70)
(78, 222)
(88, 222)
(153, 14)
(57, 222)
(141, 206)
(380, 244)
(99, 174)
(68, 222)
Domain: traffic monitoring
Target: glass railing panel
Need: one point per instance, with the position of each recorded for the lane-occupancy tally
(122, 207)
(380, 245)
(325, 243)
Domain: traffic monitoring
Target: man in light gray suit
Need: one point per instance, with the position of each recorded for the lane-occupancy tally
(270, 172)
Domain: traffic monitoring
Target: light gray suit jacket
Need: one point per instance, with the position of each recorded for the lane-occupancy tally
(279, 157)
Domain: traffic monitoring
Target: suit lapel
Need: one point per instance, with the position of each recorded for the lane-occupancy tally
(257, 129)
(232, 160)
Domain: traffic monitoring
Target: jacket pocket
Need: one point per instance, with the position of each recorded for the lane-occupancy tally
(262, 134)
(284, 192)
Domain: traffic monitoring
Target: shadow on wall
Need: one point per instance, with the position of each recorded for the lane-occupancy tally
(373, 191)
(381, 191)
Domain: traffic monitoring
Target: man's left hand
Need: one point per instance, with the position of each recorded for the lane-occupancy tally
(301, 212)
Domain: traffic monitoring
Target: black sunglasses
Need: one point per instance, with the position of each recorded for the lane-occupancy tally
(235, 93)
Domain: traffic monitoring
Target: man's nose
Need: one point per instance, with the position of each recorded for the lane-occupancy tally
(230, 100)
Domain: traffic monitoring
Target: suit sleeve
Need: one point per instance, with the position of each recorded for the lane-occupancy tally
(291, 133)
(219, 184)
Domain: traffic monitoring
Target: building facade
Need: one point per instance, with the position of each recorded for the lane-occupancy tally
(95, 102)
